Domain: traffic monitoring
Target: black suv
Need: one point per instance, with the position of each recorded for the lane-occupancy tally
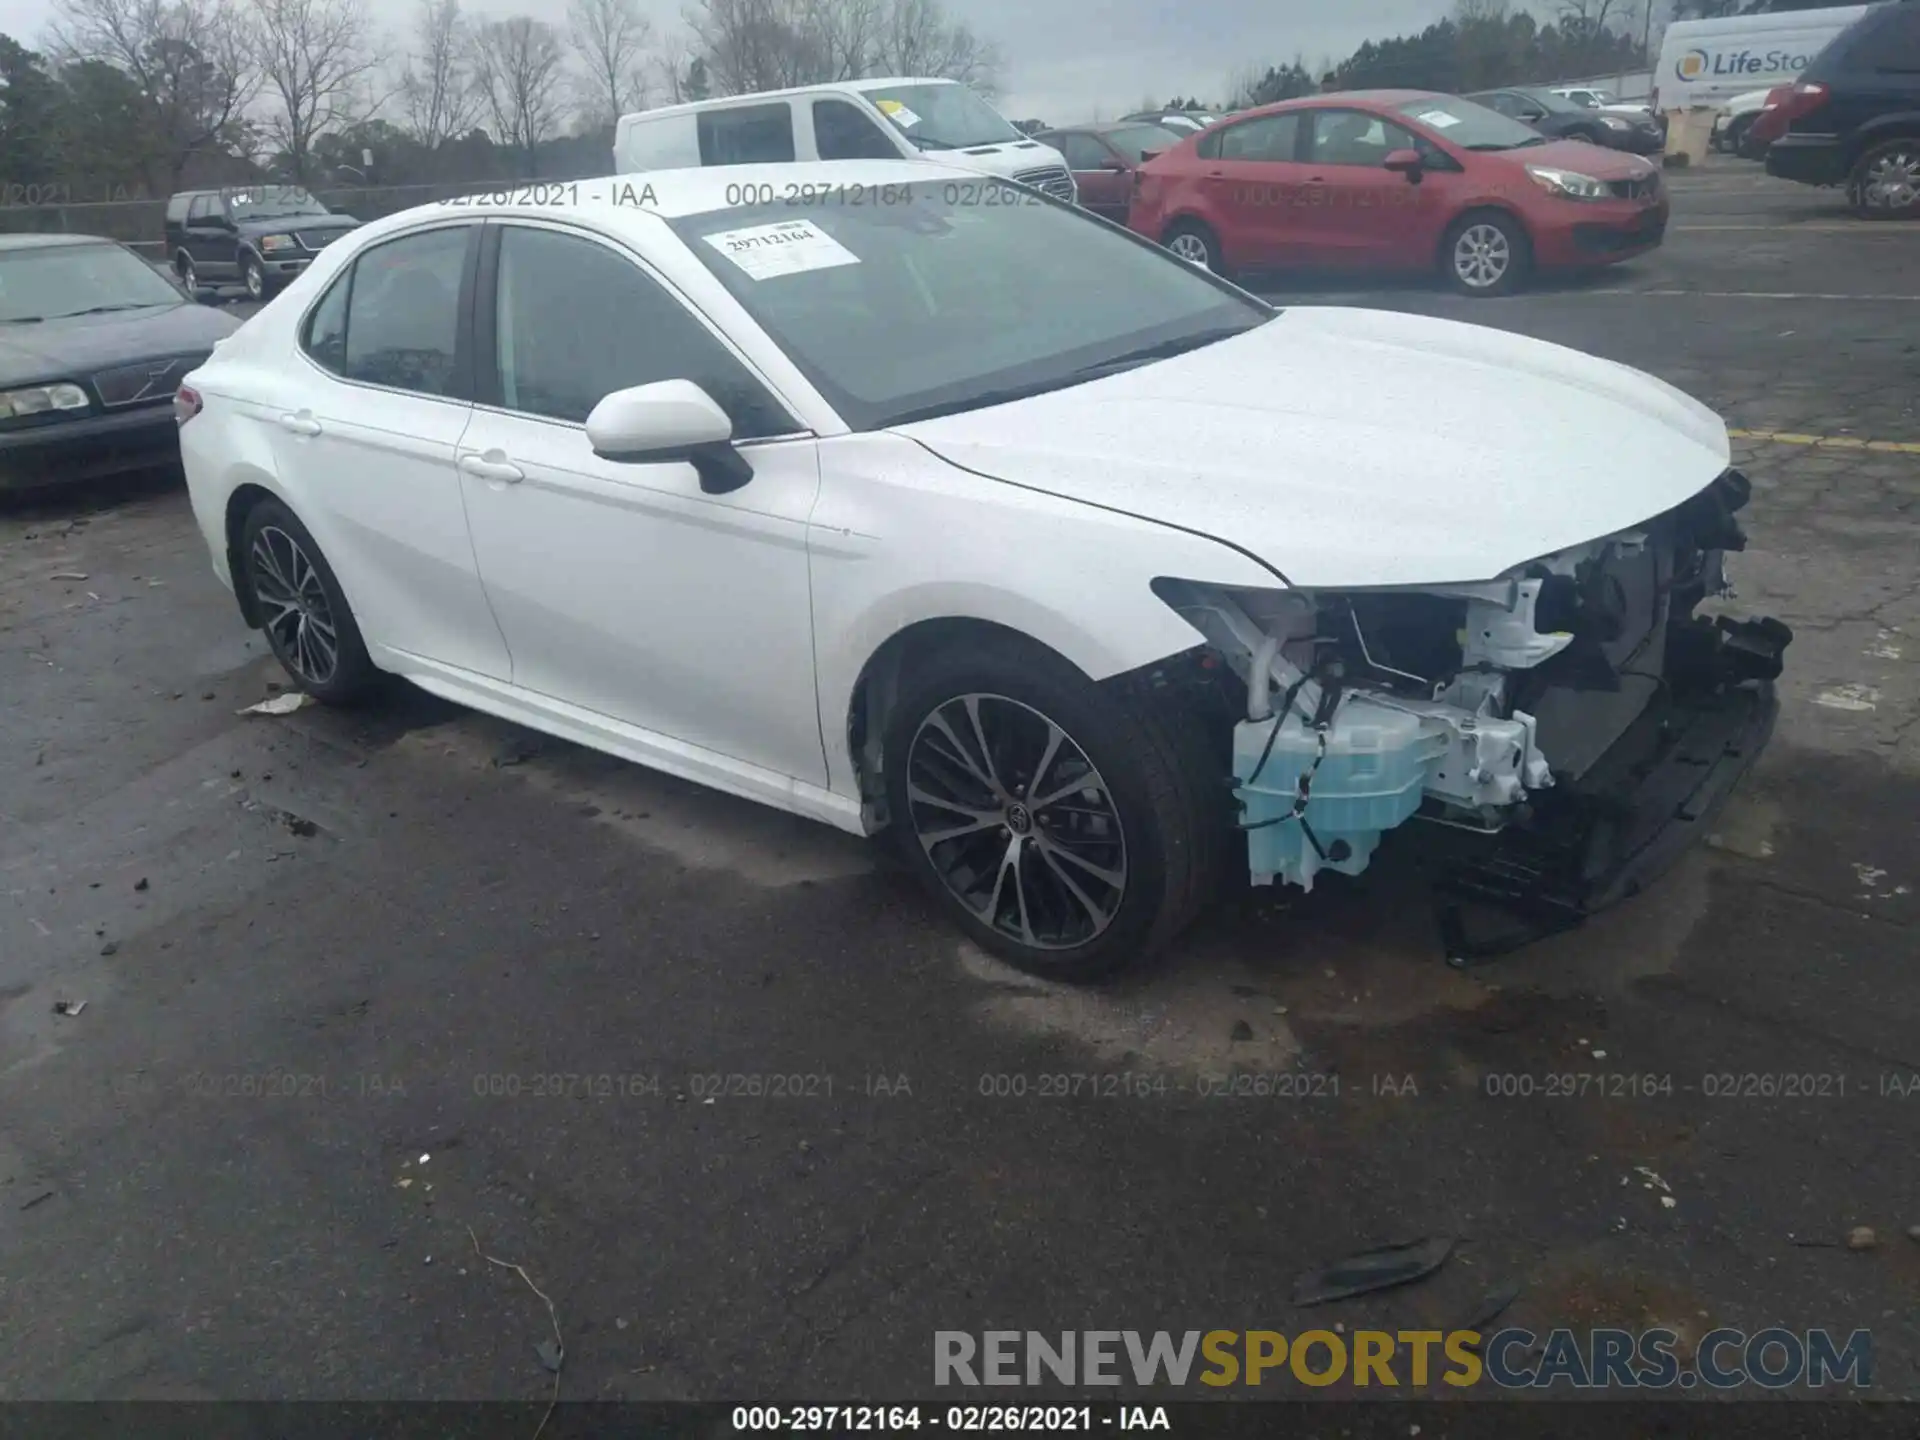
(1853, 118)
(261, 236)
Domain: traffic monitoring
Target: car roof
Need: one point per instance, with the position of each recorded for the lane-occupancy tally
(1108, 127)
(672, 194)
(51, 242)
(844, 87)
(1333, 99)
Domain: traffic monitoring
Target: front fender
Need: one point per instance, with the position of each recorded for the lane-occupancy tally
(900, 537)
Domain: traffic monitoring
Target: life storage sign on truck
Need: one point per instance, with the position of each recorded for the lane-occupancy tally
(1707, 62)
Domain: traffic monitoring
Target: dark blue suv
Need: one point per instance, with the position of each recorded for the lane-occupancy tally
(1854, 116)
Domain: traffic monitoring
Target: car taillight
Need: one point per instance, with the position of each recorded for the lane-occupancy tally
(186, 404)
(1804, 99)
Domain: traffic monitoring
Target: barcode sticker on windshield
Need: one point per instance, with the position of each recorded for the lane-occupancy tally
(1439, 119)
(790, 247)
(903, 117)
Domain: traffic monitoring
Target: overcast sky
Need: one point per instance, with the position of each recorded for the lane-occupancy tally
(1066, 59)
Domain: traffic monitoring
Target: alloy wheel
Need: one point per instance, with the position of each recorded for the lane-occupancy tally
(256, 280)
(293, 602)
(1892, 182)
(1190, 247)
(1482, 256)
(189, 276)
(1016, 821)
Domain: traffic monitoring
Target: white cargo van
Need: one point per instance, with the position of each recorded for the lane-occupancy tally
(845, 120)
(1708, 62)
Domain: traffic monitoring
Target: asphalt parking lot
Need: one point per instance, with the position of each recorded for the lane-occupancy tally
(411, 916)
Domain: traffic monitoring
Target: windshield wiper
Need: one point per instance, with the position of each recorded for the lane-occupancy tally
(108, 309)
(985, 398)
(1085, 373)
(929, 142)
(1163, 350)
(1526, 144)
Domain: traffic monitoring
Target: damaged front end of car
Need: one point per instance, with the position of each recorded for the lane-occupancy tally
(1576, 717)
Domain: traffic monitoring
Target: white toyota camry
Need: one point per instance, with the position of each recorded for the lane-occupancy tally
(911, 500)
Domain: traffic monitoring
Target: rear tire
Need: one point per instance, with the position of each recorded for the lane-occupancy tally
(189, 276)
(1486, 254)
(1082, 836)
(1196, 243)
(302, 609)
(1736, 134)
(1885, 183)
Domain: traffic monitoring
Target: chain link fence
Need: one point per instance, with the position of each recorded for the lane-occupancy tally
(142, 223)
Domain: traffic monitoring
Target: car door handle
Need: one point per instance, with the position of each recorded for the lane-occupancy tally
(301, 424)
(501, 472)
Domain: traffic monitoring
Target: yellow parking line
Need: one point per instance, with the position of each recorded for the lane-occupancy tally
(1830, 442)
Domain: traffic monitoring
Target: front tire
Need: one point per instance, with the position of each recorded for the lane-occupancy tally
(1487, 254)
(1885, 184)
(254, 276)
(183, 266)
(301, 608)
(1069, 829)
(1197, 244)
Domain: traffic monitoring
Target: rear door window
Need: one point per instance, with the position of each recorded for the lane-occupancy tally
(747, 135)
(1896, 49)
(1271, 138)
(403, 313)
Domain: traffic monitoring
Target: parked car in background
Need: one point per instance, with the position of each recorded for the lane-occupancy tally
(1589, 98)
(1769, 124)
(1559, 118)
(567, 473)
(875, 119)
(93, 344)
(1732, 121)
(1397, 180)
(1184, 121)
(1104, 157)
(1853, 119)
(260, 236)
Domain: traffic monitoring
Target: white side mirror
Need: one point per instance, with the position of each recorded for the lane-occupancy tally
(670, 420)
(667, 420)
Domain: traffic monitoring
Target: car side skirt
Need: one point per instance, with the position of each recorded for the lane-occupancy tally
(627, 742)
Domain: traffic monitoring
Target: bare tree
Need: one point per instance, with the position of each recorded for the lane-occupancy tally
(438, 98)
(315, 59)
(670, 64)
(1480, 12)
(191, 60)
(1587, 16)
(847, 34)
(918, 37)
(612, 39)
(519, 66)
(759, 44)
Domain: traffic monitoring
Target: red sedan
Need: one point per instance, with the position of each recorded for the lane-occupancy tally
(1397, 180)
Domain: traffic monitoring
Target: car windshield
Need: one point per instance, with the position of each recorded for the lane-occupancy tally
(85, 279)
(942, 117)
(1470, 126)
(957, 294)
(1137, 141)
(272, 203)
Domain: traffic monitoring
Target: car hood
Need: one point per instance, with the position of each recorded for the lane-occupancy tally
(299, 224)
(1349, 447)
(76, 347)
(1579, 155)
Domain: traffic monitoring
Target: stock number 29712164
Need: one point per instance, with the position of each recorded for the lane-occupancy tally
(817, 193)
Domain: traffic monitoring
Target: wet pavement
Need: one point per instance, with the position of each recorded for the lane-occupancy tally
(368, 993)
